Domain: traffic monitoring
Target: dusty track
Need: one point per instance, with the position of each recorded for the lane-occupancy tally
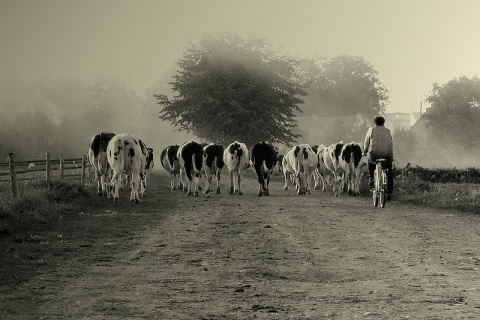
(244, 257)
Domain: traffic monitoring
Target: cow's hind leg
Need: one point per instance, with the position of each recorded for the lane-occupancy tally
(265, 187)
(232, 189)
(217, 177)
(240, 183)
(99, 185)
(285, 187)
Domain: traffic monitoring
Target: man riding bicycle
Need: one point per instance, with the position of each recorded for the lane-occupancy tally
(379, 145)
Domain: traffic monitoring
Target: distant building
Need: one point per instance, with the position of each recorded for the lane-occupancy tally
(401, 121)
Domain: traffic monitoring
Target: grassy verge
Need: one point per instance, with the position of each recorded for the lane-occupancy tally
(39, 219)
(456, 196)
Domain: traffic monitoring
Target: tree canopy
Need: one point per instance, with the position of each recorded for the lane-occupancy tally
(455, 113)
(344, 86)
(232, 88)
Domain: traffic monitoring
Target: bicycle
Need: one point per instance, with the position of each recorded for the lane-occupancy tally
(380, 183)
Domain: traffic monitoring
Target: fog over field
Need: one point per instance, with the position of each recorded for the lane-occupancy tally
(71, 69)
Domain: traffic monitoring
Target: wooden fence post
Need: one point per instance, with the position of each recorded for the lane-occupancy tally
(60, 168)
(47, 167)
(13, 175)
(82, 179)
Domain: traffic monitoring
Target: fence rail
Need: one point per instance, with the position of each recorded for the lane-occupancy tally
(17, 171)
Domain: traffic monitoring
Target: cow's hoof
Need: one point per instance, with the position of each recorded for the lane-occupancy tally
(266, 193)
(195, 194)
(206, 191)
(218, 190)
(189, 194)
(285, 188)
(240, 193)
(260, 193)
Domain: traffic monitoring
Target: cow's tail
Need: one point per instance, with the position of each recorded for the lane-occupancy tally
(236, 160)
(265, 168)
(194, 165)
(114, 177)
(300, 167)
(121, 160)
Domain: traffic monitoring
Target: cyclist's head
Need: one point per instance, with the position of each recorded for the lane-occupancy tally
(379, 120)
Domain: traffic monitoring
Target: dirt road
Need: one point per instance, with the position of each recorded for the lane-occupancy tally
(244, 257)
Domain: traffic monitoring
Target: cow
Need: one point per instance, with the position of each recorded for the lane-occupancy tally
(287, 169)
(353, 164)
(331, 159)
(235, 157)
(321, 172)
(125, 156)
(263, 158)
(302, 161)
(97, 156)
(212, 164)
(280, 163)
(147, 167)
(169, 161)
(190, 159)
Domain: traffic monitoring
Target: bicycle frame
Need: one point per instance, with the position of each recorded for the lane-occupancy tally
(380, 182)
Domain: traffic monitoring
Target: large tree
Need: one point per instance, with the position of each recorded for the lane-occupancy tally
(344, 86)
(455, 114)
(232, 88)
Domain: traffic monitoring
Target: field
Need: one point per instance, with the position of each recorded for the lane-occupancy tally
(241, 257)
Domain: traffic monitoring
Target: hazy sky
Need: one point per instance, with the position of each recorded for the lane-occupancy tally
(411, 43)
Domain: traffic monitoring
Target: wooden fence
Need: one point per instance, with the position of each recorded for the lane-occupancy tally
(42, 169)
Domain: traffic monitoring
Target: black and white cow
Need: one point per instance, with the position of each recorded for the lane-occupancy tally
(263, 158)
(97, 156)
(302, 162)
(147, 167)
(190, 156)
(125, 156)
(212, 164)
(352, 162)
(322, 173)
(331, 159)
(236, 160)
(169, 161)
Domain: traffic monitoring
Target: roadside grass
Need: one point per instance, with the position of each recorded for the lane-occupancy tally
(458, 196)
(40, 216)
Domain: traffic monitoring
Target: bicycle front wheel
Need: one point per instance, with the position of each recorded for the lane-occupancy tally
(382, 197)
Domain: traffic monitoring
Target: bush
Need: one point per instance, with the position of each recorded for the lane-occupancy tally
(38, 204)
(458, 196)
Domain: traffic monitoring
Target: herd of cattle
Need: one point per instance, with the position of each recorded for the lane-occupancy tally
(123, 160)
